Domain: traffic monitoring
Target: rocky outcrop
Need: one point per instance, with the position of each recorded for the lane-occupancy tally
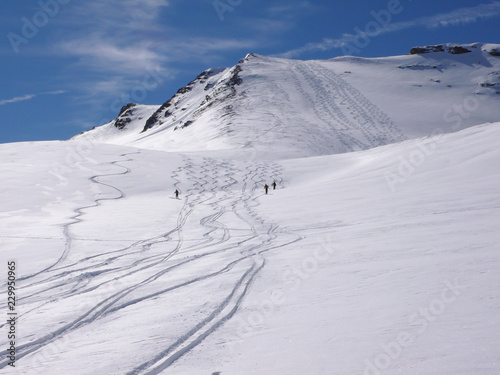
(170, 105)
(426, 49)
(217, 91)
(492, 81)
(495, 52)
(452, 49)
(458, 50)
(124, 116)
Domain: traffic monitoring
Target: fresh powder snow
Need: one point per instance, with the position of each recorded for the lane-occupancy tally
(376, 253)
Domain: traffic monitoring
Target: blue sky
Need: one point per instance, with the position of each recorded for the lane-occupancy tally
(69, 65)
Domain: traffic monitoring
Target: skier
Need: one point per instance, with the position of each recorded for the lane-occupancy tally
(266, 187)
(177, 193)
(274, 185)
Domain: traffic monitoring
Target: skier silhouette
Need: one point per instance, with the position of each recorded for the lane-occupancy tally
(266, 187)
(177, 193)
(274, 185)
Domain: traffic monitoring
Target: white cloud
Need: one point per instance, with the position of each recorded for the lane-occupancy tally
(290, 7)
(29, 96)
(115, 43)
(17, 99)
(461, 16)
(119, 15)
(454, 18)
(109, 36)
(102, 53)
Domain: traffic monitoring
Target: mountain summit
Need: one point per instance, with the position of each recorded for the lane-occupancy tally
(306, 108)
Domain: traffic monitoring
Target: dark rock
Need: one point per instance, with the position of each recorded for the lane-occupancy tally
(495, 52)
(209, 86)
(222, 90)
(457, 50)
(418, 67)
(186, 124)
(184, 90)
(201, 78)
(156, 116)
(126, 107)
(150, 122)
(418, 51)
(235, 79)
(123, 117)
(120, 123)
(247, 58)
(427, 49)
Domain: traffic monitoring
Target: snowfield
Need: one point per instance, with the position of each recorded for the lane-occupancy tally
(281, 107)
(335, 271)
(380, 260)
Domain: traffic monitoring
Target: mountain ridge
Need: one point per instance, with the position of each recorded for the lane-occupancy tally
(356, 103)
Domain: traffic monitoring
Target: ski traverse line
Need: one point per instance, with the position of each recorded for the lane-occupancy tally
(79, 212)
(194, 337)
(337, 136)
(333, 118)
(374, 119)
(215, 186)
(189, 340)
(143, 243)
(121, 294)
(87, 318)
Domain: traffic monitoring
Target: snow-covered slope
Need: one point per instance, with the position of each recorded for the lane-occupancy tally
(125, 128)
(383, 260)
(307, 108)
(378, 261)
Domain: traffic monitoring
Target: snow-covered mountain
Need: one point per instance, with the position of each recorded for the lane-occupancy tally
(383, 260)
(307, 108)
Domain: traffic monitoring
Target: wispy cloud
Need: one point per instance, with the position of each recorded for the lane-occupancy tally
(101, 53)
(119, 15)
(291, 8)
(117, 42)
(29, 96)
(17, 99)
(461, 16)
(457, 17)
(110, 35)
(204, 47)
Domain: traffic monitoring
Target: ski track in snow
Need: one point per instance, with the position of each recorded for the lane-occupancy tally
(215, 184)
(79, 212)
(335, 102)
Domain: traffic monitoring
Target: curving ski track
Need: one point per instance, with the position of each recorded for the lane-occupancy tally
(116, 278)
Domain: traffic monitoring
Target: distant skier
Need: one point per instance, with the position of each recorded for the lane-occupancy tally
(266, 187)
(177, 192)
(274, 185)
